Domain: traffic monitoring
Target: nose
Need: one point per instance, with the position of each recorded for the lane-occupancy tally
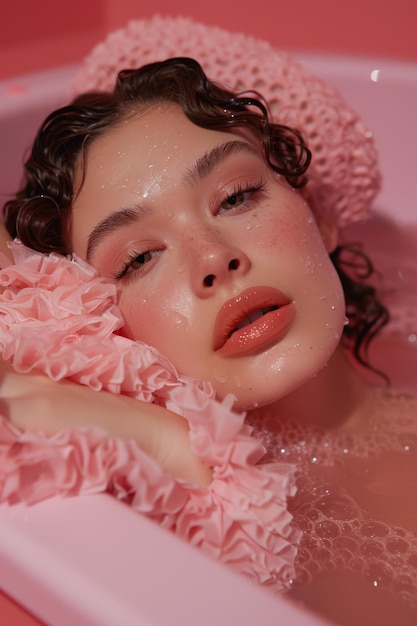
(214, 263)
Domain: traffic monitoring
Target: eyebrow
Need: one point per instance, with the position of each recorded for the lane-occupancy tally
(201, 169)
(208, 161)
(118, 219)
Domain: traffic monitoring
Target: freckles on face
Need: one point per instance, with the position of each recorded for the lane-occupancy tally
(152, 201)
(290, 230)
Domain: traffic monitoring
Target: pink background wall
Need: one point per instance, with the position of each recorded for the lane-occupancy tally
(43, 34)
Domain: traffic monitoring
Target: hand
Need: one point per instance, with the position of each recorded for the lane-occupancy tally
(34, 402)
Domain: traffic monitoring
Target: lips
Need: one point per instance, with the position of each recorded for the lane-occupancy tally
(255, 319)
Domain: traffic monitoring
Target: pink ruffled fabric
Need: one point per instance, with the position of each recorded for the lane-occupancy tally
(58, 316)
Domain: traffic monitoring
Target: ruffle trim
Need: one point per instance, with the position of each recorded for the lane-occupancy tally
(59, 317)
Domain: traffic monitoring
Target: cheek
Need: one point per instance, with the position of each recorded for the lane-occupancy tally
(290, 239)
(284, 224)
(293, 246)
(137, 310)
(156, 318)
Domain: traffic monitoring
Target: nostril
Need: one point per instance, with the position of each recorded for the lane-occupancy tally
(208, 280)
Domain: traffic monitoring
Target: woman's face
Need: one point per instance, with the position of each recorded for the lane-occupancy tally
(218, 262)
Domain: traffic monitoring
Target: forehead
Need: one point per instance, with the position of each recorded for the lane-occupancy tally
(142, 158)
(161, 131)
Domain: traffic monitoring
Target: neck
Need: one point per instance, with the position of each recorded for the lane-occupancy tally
(334, 399)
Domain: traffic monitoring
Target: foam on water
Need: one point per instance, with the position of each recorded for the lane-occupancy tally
(354, 504)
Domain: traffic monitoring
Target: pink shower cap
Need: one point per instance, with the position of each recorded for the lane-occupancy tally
(343, 177)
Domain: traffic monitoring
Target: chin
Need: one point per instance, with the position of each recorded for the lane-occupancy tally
(257, 392)
(254, 396)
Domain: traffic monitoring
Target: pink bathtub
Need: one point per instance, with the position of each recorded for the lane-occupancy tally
(91, 560)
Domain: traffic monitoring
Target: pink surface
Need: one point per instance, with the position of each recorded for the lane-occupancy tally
(35, 36)
(55, 555)
(102, 564)
(13, 614)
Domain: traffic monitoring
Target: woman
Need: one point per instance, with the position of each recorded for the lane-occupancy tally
(195, 206)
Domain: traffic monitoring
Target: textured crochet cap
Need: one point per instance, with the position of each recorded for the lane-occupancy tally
(343, 177)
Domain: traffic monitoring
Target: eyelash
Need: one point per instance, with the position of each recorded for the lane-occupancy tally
(240, 189)
(132, 257)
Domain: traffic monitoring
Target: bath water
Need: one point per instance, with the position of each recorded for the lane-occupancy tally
(355, 504)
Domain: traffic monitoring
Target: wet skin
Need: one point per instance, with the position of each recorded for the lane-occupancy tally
(202, 238)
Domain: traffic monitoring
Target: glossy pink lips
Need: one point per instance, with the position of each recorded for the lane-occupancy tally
(252, 321)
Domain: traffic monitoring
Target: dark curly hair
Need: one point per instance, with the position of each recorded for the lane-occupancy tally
(40, 213)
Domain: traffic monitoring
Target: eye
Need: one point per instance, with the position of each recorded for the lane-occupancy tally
(140, 260)
(234, 201)
(242, 198)
(136, 262)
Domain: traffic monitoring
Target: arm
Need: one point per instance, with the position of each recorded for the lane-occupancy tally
(37, 403)
(230, 519)
(34, 402)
